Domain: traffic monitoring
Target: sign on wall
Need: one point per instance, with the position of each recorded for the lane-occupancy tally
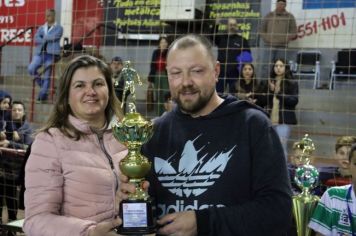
(142, 17)
(18, 15)
(247, 14)
(324, 24)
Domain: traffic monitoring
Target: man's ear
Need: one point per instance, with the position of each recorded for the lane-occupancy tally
(217, 70)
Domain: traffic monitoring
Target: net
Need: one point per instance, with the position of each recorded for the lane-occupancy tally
(316, 41)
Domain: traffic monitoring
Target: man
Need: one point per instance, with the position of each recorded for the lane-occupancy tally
(218, 165)
(278, 28)
(230, 46)
(116, 66)
(47, 51)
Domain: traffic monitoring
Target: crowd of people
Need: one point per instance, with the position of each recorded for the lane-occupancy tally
(15, 134)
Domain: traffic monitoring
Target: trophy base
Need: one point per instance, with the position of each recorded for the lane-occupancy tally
(138, 217)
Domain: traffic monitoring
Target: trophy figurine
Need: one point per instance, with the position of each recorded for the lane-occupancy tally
(130, 78)
(306, 176)
(138, 211)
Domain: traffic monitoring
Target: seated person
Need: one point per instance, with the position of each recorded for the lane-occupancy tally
(5, 104)
(247, 87)
(168, 104)
(293, 163)
(17, 135)
(337, 207)
(18, 130)
(334, 176)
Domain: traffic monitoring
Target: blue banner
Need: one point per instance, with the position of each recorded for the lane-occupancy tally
(318, 4)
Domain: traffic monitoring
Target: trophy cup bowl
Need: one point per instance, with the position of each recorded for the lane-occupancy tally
(306, 177)
(138, 211)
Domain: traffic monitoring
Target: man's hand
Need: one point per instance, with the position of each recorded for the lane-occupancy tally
(179, 224)
(125, 188)
(105, 228)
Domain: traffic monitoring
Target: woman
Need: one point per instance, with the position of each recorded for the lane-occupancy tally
(71, 175)
(247, 86)
(157, 77)
(280, 99)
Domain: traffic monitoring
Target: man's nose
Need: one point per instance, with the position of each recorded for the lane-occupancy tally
(187, 79)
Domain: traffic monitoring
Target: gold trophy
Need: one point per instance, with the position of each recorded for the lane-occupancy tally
(138, 211)
(306, 176)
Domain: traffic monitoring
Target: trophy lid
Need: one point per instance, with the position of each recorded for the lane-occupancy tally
(306, 145)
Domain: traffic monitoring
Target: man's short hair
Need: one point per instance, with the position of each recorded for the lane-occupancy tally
(118, 59)
(191, 40)
(344, 141)
(51, 11)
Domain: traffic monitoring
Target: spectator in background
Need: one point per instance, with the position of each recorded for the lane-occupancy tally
(18, 136)
(247, 87)
(278, 28)
(47, 51)
(5, 114)
(279, 98)
(230, 46)
(339, 175)
(169, 105)
(18, 130)
(71, 175)
(157, 77)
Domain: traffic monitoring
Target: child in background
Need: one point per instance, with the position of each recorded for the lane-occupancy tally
(337, 176)
(168, 104)
(336, 211)
(293, 163)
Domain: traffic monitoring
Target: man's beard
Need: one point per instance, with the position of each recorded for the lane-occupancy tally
(195, 106)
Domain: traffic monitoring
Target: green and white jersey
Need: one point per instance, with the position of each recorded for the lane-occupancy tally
(331, 215)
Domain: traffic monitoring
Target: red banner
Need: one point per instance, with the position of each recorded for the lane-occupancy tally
(18, 15)
(87, 15)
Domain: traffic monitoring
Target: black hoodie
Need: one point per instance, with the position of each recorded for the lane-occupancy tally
(228, 166)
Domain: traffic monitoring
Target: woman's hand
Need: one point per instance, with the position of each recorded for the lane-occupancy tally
(125, 188)
(105, 228)
(271, 85)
